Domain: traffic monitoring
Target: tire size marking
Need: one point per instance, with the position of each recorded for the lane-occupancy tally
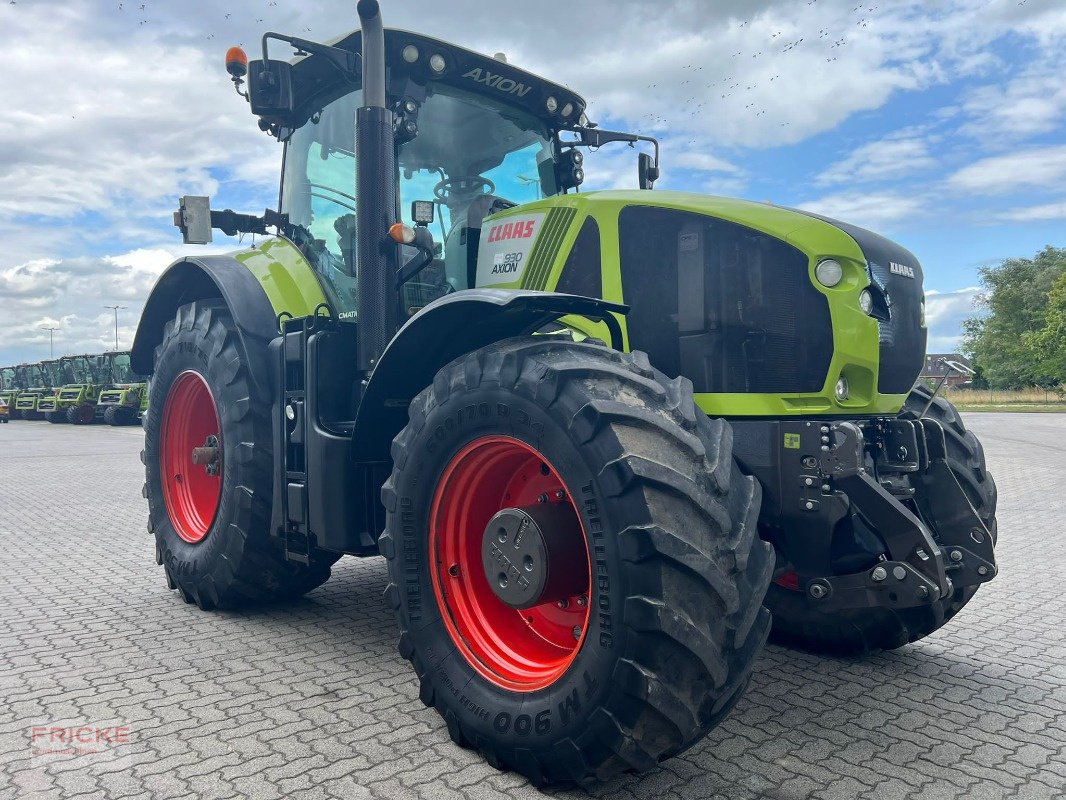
(603, 578)
(412, 571)
(189, 347)
(524, 724)
(479, 711)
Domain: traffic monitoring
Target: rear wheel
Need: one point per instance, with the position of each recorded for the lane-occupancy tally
(208, 467)
(81, 415)
(799, 623)
(573, 559)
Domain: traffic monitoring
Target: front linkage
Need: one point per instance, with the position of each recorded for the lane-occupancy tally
(831, 484)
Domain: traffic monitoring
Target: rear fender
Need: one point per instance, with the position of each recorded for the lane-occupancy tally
(445, 330)
(257, 285)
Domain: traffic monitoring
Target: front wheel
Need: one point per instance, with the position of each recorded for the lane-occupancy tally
(81, 415)
(573, 559)
(55, 417)
(208, 469)
(799, 623)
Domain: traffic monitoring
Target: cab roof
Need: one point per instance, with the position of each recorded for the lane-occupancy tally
(317, 82)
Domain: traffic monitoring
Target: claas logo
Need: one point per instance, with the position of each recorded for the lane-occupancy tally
(523, 229)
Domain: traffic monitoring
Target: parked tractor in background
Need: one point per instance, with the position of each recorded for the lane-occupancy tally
(9, 387)
(40, 381)
(75, 402)
(127, 396)
(590, 432)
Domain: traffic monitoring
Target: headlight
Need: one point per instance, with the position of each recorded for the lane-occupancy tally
(552, 105)
(410, 54)
(437, 63)
(843, 390)
(866, 301)
(829, 273)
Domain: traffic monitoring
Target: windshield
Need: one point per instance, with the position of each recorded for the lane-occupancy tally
(468, 155)
(470, 158)
(121, 372)
(7, 378)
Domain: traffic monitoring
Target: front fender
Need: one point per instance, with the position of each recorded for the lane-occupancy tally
(446, 329)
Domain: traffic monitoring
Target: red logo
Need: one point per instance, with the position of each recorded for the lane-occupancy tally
(77, 739)
(512, 230)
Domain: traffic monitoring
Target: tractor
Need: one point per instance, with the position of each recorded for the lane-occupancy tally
(40, 382)
(9, 387)
(607, 442)
(127, 398)
(82, 378)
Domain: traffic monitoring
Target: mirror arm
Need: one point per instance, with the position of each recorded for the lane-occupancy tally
(346, 61)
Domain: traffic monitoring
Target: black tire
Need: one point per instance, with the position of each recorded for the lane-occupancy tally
(55, 417)
(80, 415)
(237, 561)
(109, 416)
(797, 623)
(680, 570)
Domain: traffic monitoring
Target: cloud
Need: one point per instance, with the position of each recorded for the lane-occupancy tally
(1030, 104)
(1038, 166)
(1039, 213)
(885, 159)
(869, 209)
(944, 314)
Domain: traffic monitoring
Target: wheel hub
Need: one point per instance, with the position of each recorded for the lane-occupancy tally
(523, 552)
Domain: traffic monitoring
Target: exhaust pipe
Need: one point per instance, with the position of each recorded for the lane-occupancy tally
(378, 258)
(373, 53)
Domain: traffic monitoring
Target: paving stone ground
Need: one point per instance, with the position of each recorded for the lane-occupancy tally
(311, 700)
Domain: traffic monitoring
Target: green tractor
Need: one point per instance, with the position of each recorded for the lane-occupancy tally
(8, 390)
(40, 382)
(126, 399)
(592, 434)
(82, 378)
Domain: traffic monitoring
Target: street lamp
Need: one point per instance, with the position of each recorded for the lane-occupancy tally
(116, 309)
(51, 332)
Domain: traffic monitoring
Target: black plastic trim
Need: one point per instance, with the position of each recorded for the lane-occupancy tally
(443, 331)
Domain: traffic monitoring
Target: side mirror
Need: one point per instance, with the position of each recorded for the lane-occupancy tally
(270, 88)
(647, 171)
(193, 217)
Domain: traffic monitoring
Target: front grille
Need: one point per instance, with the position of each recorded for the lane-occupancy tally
(46, 404)
(109, 399)
(731, 308)
(70, 394)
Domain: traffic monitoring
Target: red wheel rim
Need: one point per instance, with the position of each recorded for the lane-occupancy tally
(190, 491)
(519, 649)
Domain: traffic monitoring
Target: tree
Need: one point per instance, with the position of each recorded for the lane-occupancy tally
(1049, 344)
(1008, 342)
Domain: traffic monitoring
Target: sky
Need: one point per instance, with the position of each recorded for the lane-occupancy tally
(938, 123)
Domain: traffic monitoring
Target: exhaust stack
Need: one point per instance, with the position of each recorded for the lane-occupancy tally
(375, 184)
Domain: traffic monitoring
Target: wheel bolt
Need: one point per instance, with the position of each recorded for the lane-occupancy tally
(576, 631)
(582, 601)
(453, 570)
(818, 591)
(982, 570)
(560, 494)
(956, 555)
(879, 574)
(543, 498)
(899, 573)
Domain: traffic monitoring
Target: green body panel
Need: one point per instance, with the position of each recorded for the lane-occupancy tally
(855, 353)
(133, 395)
(290, 283)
